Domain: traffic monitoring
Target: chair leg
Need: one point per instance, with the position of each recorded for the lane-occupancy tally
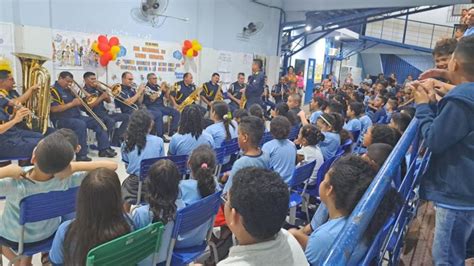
(213, 247)
(292, 218)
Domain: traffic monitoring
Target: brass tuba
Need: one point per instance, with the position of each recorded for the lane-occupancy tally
(39, 103)
(193, 97)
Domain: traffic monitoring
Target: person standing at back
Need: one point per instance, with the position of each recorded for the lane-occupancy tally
(256, 84)
(449, 135)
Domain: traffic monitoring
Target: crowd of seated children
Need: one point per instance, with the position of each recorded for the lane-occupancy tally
(224, 128)
(162, 202)
(381, 134)
(331, 126)
(317, 107)
(342, 188)
(281, 150)
(139, 144)
(99, 218)
(378, 108)
(282, 109)
(238, 114)
(52, 169)
(202, 163)
(190, 133)
(354, 110)
(308, 138)
(255, 208)
(400, 122)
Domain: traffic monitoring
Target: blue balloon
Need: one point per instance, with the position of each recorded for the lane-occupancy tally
(177, 54)
(122, 52)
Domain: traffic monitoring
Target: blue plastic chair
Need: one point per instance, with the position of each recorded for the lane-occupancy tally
(267, 136)
(187, 219)
(342, 149)
(232, 150)
(295, 130)
(374, 251)
(300, 175)
(40, 207)
(181, 162)
(220, 155)
(355, 135)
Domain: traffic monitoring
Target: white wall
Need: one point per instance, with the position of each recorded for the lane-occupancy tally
(215, 23)
(436, 16)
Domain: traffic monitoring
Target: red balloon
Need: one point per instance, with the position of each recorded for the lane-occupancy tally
(113, 41)
(104, 61)
(104, 47)
(188, 44)
(107, 56)
(195, 53)
(102, 39)
(184, 50)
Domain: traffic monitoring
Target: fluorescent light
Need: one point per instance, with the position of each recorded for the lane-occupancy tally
(307, 28)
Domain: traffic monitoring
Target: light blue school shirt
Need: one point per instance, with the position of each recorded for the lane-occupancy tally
(282, 154)
(314, 117)
(260, 161)
(185, 144)
(17, 189)
(366, 122)
(329, 146)
(322, 238)
(218, 133)
(353, 125)
(188, 191)
(56, 254)
(154, 148)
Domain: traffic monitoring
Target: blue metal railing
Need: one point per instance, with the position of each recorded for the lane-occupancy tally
(352, 233)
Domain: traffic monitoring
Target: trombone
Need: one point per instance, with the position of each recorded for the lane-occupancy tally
(115, 91)
(88, 100)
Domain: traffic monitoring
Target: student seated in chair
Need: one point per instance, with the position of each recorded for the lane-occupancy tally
(255, 209)
(53, 170)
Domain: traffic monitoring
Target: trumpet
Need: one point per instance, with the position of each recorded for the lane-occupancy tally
(17, 106)
(115, 91)
(85, 103)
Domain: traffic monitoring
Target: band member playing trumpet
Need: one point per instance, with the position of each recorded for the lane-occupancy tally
(98, 106)
(210, 90)
(15, 142)
(154, 100)
(66, 113)
(235, 92)
(182, 91)
(129, 94)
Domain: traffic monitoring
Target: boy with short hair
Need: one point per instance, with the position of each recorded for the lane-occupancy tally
(250, 132)
(378, 106)
(255, 209)
(353, 112)
(52, 170)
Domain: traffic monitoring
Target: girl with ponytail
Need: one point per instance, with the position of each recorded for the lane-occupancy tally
(331, 126)
(309, 138)
(224, 128)
(202, 163)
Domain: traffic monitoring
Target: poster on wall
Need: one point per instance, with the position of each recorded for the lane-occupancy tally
(151, 56)
(7, 44)
(72, 51)
(224, 63)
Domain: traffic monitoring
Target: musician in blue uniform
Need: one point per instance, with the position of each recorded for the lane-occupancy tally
(280, 91)
(182, 90)
(210, 90)
(129, 94)
(235, 92)
(15, 142)
(154, 100)
(256, 83)
(66, 113)
(110, 120)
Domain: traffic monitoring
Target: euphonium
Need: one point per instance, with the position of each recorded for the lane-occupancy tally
(219, 95)
(39, 103)
(194, 96)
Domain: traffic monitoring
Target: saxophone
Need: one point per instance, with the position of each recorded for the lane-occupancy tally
(219, 96)
(194, 96)
(243, 99)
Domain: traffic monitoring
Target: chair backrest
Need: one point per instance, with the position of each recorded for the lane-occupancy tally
(373, 252)
(231, 146)
(323, 169)
(196, 214)
(220, 154)
(342, 149)
(128, 249)
(57, 203)
(295, 130)
(267, 136)
(355, 135)
(181, 162)
(301, 174)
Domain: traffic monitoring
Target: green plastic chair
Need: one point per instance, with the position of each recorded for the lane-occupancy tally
(128, 249)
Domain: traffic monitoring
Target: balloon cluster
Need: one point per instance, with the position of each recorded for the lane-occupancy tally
(108, 49)
(5, 64)
(191, 48)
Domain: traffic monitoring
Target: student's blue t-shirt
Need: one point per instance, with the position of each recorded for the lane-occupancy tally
(322, 238)
(314, 117)
(154, 148)
(185, 144)
(366, 122)
(218, 133)
(282, 154)
(188, 191)
(329, 146)
(353, 125)
(261, 161)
